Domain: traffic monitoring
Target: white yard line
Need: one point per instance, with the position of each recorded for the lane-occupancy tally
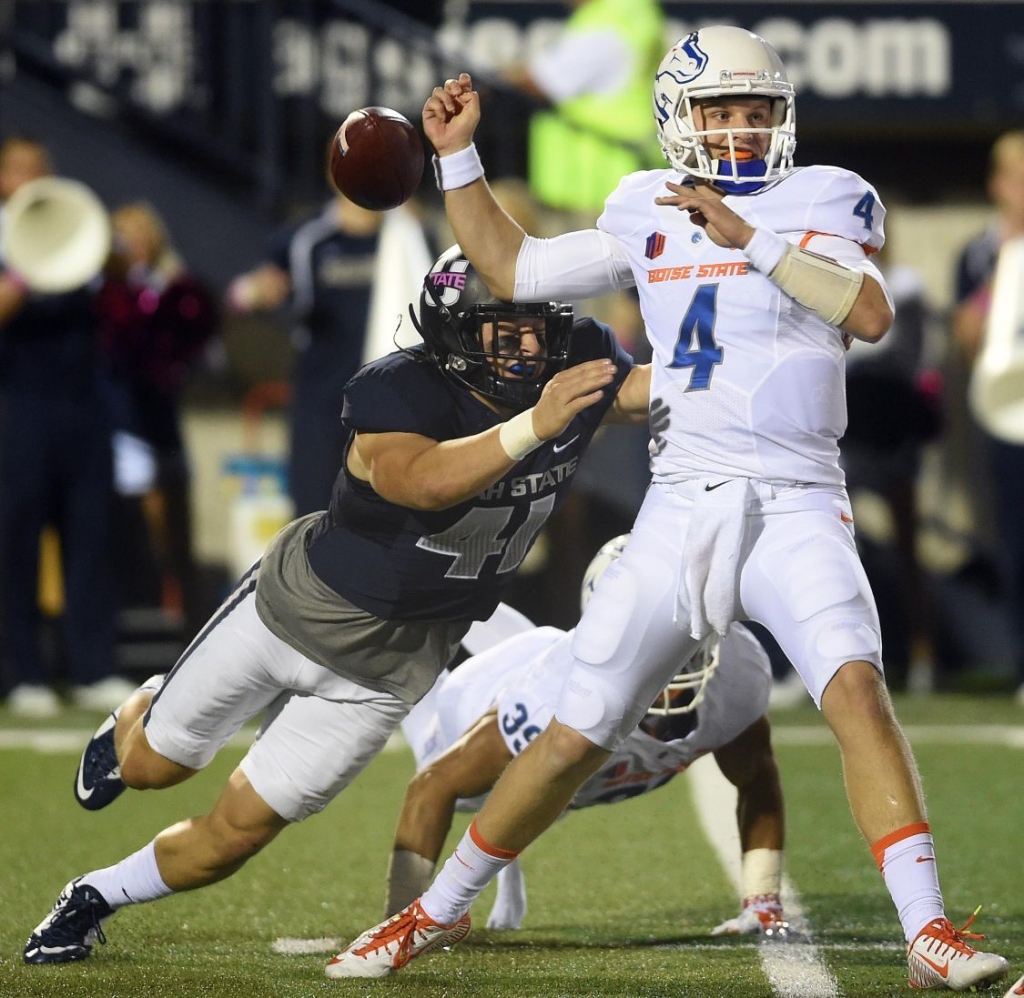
(73, 740)
(1012, 736)
(794, 969)
(294, 946)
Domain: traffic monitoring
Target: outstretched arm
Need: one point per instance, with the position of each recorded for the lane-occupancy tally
(265, 287)
(468, 769)
(488, 236)
(749, 764)
(633, 400)
(421, 473)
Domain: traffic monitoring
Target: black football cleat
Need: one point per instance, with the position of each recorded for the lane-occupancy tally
(98, 779)
(72, 928)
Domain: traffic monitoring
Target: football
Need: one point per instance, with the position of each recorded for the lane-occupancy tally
(376, 158)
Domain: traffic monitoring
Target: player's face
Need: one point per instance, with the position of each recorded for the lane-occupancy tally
(667, 728)
(138, 235)
(739, 115)
(518, 346)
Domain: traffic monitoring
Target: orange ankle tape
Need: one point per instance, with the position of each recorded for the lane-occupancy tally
(484, 846)
(917, 828)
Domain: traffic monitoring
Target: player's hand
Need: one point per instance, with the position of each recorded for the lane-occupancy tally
(704, 203)
(451, 115)
(760, 915)
(568, 393)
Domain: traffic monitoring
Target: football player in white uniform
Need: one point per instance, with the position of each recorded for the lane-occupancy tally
(750, 273)
(484, 713)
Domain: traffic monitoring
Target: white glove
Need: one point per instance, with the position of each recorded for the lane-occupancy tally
(761, 913)
(510, 905)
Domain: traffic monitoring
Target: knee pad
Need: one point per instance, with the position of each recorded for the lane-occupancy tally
(595, 706)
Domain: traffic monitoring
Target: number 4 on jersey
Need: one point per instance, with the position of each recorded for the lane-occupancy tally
(695, 346)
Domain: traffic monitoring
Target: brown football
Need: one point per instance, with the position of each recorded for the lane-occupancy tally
(376, 158)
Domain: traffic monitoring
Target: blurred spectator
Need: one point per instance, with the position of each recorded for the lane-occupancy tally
(346, 275)
(55, 468)
(975, 269)
(894, 409)
(598, 78)
(155, 320)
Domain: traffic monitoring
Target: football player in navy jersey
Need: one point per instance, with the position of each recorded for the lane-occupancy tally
(460, 449)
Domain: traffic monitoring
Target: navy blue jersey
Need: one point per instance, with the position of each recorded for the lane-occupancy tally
(451, 564)
(332, 277)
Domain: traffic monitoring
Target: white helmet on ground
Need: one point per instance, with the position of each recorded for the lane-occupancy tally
(685, 692)
(723, 62)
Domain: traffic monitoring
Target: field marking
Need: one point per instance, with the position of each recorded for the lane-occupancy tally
(324, 945)
(291, 946)
(1010, 735)
(56, 741)
(794, 969)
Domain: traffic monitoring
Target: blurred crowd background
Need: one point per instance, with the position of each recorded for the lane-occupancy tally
(241, 293)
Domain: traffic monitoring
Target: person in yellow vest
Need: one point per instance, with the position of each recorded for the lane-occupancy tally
(597, 77)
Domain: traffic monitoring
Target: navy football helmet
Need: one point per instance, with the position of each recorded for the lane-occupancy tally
(456, 304)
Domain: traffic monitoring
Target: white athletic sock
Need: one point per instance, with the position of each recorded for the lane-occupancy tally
(906, 859)
(134, 880)
(467, 872)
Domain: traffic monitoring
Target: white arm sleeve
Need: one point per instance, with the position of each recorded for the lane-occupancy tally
(580, 264)
(851, 254)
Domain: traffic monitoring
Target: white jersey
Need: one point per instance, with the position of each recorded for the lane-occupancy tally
(521, 678)
(754, 383)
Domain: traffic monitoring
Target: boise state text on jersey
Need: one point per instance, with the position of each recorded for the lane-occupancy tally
(453, 564)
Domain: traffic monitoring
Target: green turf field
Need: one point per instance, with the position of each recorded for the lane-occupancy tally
(621, 898)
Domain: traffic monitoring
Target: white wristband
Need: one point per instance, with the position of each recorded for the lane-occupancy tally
(458, 169)
(765, 250)
(517, 437)
(761, 872)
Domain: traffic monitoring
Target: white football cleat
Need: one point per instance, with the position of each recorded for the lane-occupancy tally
(1017, 990)
(389, 946)
(941, 957)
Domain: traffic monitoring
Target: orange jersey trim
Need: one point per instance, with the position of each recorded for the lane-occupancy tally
(808, 236)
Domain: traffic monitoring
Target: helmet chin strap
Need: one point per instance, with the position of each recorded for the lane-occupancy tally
(743, 168)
